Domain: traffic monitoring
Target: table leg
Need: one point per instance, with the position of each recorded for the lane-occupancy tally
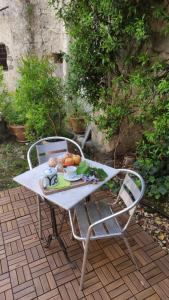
(55, 235)
(39, 217)
(88, 198)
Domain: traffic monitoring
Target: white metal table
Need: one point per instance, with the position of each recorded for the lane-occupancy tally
(66, 199)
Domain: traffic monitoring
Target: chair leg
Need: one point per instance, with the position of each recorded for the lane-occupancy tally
(39, 218)
(130, 252)
(84, 264)
(74, 217)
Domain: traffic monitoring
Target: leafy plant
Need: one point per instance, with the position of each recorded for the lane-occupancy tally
(39, 96)
(109, 120)
(113, 186)
(76, 109)
(112, 65)
(29, 8)
(85, 169)
(8, 107)
(3, 94)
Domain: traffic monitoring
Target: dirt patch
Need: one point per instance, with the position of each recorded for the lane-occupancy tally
(155, 224)
(13, 161)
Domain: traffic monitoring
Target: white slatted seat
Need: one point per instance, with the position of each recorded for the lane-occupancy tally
(96, 220)
(46, 148)
(92, 212)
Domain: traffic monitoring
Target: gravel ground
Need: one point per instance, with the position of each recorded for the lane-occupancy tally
(155, 224)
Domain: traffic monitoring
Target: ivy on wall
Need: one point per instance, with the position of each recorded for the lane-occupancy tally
(111, 62)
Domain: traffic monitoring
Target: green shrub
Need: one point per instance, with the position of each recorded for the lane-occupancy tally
(113, 65)
(153, 149)
(4, 98)
(40, 97)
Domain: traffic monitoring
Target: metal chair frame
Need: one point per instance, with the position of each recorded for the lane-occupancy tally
(130, 203)
(33, 146)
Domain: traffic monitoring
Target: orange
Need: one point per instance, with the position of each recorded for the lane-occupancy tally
(76, 159)
(68, 161)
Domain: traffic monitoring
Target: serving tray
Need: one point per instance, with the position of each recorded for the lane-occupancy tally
(74, 184)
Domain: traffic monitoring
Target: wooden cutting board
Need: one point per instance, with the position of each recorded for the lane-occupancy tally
(74, 184)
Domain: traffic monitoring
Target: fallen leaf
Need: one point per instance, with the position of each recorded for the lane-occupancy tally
(161, 236)
(158, 221)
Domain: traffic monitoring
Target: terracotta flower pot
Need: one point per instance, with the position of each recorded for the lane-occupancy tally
(77, 124)
(18, 131)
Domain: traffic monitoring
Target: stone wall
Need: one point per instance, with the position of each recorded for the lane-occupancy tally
(14, 34)
(48, 34)
(123, 143)
(30, 26)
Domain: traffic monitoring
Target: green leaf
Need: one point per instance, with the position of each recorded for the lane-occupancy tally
(83, 168)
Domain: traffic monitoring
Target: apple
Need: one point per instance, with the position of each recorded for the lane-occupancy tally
(76, 159)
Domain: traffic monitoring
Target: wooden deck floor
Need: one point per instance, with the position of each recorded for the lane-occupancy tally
(28, 270)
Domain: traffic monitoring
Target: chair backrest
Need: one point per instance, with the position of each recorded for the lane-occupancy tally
(50, 147)
(132, 190)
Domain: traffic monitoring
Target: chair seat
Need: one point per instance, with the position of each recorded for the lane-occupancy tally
(92, 212)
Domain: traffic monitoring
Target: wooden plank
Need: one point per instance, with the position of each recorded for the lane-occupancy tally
(105, 211)
(94, 216)
(82, 220)
(160, 292)
(126, 199)
(130, 184)
(48, 147)
(110, 272)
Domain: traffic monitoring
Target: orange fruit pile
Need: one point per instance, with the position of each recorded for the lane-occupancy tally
(71, 159)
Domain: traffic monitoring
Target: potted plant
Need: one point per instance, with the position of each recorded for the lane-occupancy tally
(77, 116)
(12, 115)
(14, 118)
(40, 97)
(17, 128)
(77, 122)
(3, 96)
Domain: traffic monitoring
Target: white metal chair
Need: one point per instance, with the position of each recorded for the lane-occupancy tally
(46, 148)
(96, 220)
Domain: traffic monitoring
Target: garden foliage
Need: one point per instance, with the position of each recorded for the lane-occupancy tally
(111, 63)
(8, 106)
(39, 96)
(3, 94)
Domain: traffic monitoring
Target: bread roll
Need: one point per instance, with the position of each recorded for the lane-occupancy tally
(52, 162)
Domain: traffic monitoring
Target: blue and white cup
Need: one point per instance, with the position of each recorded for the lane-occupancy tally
(71, 172)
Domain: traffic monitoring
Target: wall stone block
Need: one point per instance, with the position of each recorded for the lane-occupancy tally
(30, 27)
